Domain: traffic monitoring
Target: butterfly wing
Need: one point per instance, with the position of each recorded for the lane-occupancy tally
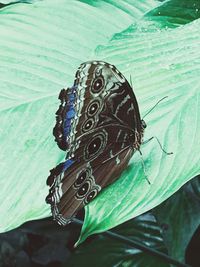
(99, 89)
(99, 124)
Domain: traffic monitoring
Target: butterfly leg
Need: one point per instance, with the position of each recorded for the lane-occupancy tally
(154, 137)
(143, 166)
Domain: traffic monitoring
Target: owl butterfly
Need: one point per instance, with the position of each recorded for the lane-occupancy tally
(98, 123)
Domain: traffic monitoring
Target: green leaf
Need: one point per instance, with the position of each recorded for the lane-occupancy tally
(104, 251)
(174, 13)
(161, 63)
(41, 46)
(179, 217)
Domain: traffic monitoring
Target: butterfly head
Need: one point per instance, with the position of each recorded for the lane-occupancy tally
(136, 138)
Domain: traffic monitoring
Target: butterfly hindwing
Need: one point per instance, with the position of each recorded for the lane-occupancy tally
(75, 186)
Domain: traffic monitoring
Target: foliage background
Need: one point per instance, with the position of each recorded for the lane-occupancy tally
(42, 43)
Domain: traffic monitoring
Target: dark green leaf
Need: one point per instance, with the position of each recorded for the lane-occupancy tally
(104, 251)
(174, 13)
(179, 217)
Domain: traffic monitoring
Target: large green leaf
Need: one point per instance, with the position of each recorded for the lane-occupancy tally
(41, 46)
(161, 63)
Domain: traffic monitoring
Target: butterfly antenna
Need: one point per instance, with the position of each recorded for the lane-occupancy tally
(154, 137)
(154, 106)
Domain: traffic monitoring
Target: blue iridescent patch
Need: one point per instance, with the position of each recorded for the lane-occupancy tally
(67, 164)
(70, 111)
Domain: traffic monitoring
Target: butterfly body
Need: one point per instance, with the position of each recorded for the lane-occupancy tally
(98, 124)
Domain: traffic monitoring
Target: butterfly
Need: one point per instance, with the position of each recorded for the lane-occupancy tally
(98, 124)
